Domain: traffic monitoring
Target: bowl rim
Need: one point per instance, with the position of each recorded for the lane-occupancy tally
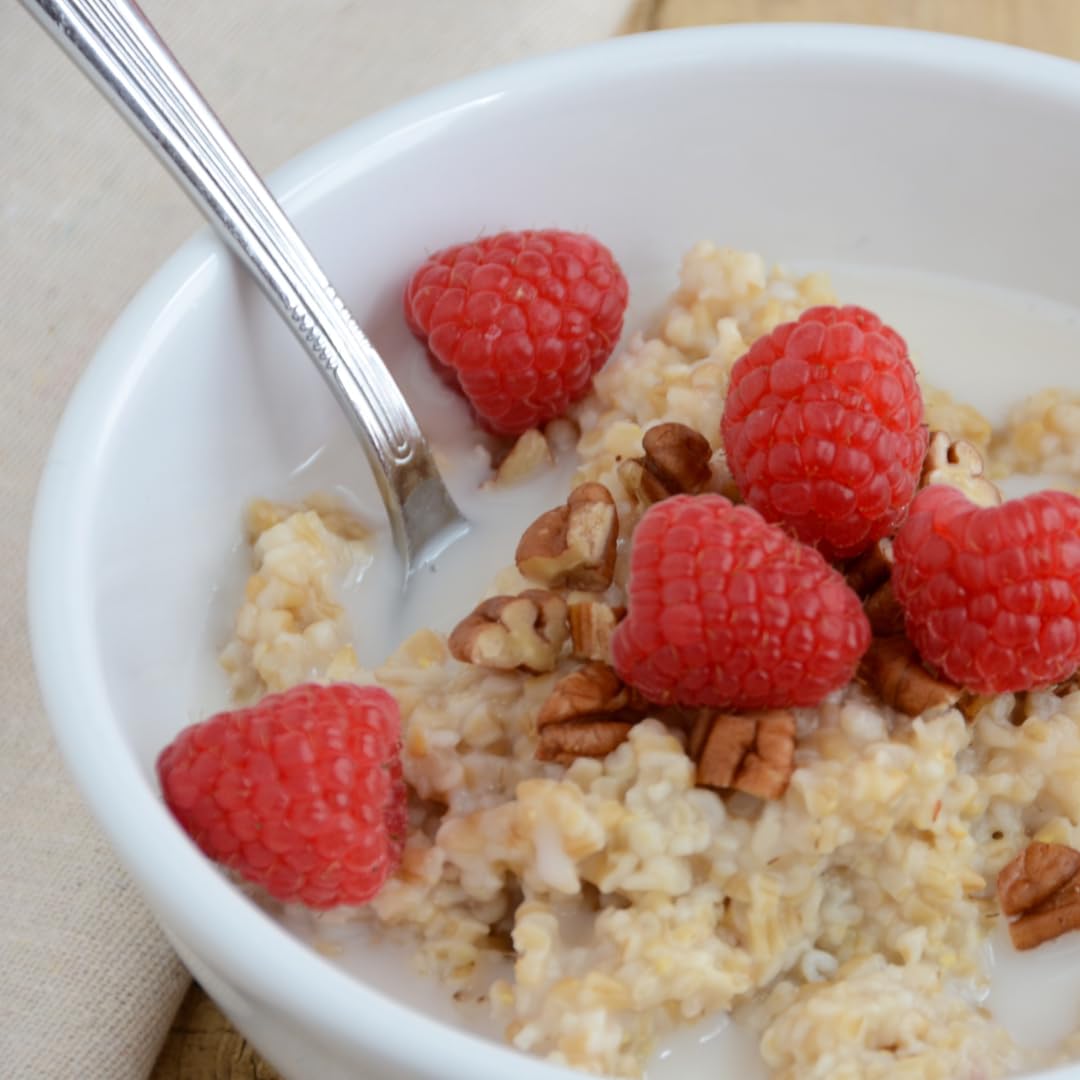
(195, 901)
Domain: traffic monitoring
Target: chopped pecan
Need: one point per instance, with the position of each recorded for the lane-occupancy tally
(884, 612)
(591, 625)
(573, 546)
(754, 753)
(1041, 887)
(590, 691)
(1033, 875)
(960, 465)
(868, 572)
(892, 669)
(677, 461)
(870, 575)
(527, 456)
(639, 483)
(1069, 686)
(507, 632)
(971, 704)
(565, 743)
(588, 714)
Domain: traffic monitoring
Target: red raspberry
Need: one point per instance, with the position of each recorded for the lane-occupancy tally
(991, 595)
(301, 793)
(823, 428)
(520, 322)
(729, 611)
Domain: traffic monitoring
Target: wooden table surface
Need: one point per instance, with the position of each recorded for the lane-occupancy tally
(202, 1044)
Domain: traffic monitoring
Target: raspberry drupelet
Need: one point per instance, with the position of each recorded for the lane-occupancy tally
(519, 322)
(301, 793)
(823, 428)
(991, 595)
(729, 611)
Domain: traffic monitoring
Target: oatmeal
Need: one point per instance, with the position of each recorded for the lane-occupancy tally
(290, 627)
(1042, 436)
(826, 873)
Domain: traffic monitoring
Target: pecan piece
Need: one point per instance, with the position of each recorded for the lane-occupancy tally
(870, 576)
(526, 632)
(884, 612)
(960, 465)
(677, 461)
(565, 743)
(573, 546)
(588, 714)
(971, 704)
(866, 573)
(1041, 886)
(1033, 875)
(754, 753)
(591, 625)
(892, 669)
(1069, 686)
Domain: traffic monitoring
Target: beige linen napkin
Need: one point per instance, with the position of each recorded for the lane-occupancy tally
(87, 985)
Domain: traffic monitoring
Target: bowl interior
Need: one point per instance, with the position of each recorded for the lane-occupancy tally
(813, 146)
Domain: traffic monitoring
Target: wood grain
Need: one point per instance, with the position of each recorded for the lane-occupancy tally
(202, 1045)
(1049, 25)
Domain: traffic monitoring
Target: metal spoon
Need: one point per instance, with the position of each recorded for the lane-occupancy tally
(120, 52)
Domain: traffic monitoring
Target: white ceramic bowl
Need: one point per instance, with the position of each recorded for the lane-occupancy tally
(849, 145)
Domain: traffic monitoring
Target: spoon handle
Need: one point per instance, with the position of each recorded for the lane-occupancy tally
(117, 48)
